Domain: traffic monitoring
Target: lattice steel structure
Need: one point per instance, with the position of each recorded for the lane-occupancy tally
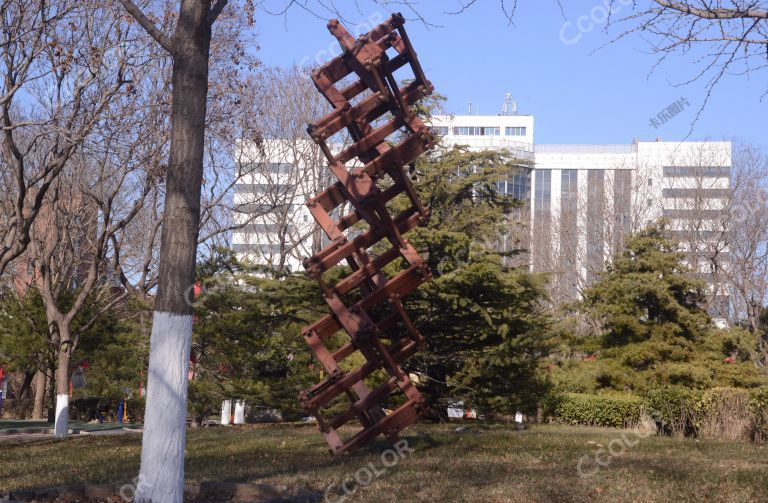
(387, 137)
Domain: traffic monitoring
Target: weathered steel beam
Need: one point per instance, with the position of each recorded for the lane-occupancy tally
(387, 137)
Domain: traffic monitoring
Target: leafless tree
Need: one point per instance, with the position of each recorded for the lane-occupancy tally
(698, 213)
(59, 75)
(723, 36)
(589, 222)
(747, 267)
(98, 194)
(281, 172)
(189, 47)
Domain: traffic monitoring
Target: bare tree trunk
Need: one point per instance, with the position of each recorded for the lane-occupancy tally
(161, 477)
(37, 410)
(50, 393)
(61, 424)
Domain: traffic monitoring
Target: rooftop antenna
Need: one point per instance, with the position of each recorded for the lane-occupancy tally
(510, 106)
(469, 107)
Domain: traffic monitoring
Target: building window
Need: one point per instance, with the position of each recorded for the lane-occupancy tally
(543, 192)
(696, 193)
(569, 231)
(697, 171)
(650, 202)
(516, 185)
(476, 131)
(515, 131)
(596, 214)
(262, 188)
(650, 182)
(541, 239)
(440, 130)
(622, 201)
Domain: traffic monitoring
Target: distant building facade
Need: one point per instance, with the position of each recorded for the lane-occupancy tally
(273, 227)
(578, 202)
(584, 200)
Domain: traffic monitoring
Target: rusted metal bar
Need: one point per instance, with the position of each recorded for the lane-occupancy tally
(387, 137)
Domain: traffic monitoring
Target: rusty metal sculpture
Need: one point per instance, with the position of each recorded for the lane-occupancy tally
(387, 137)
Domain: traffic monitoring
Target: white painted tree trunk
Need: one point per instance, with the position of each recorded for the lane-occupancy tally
(161, 478)
(61, 424)
(226, 412)
(239, 412)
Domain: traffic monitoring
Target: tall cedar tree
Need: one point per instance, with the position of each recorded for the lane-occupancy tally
(247, 340)
(649, 304)
(484, 321)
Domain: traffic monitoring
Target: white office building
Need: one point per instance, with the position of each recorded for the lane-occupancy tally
(579, 201)
(583, 200)
(274, 228)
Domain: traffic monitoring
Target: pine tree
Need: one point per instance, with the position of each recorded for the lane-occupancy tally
(484, 321)
(655, 331)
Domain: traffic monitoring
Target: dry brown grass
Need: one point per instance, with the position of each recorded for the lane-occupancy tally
(491, 464)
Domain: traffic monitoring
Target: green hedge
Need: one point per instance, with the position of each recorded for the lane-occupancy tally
(724, 413)
(612, 410)
(758, 405)
(674, 409)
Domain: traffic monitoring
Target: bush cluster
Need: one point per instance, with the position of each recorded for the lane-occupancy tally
(723, 413)
(612, 410)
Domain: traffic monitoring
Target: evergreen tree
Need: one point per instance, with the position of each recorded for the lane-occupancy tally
(655, 330)
(24, 337)
(484, 322)
(247, 340)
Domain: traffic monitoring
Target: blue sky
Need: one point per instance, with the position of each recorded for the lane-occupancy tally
(578, 94)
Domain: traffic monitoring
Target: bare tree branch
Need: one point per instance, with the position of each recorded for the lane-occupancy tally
(216, 10)
(150, 27)
(716, 13)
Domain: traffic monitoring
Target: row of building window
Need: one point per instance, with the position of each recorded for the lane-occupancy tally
(695, 193)
(518, 185)
(476, 131)
(697, 171)
(694, 214)
(276, 168)
(263, 249)
(261, 208)
(684, 235)
(262, 188)
(259, 228)
(479, 131)
(515, 131)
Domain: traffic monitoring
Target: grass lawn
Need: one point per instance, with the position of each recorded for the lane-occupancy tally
(489, 464)
(15, 425)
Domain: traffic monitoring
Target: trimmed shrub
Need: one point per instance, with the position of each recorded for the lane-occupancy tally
(672, 408)
(17, 408)
(92, 408)
(724, 413)
(758, 406)
(612, 410)
(87, 408)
